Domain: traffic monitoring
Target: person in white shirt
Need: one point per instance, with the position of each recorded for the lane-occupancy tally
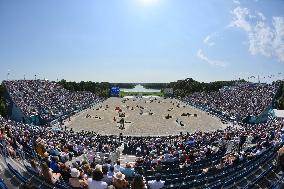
(96, 182)
(157, 183)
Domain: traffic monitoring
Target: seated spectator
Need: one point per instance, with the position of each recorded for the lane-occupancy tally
(74, 181)
(118, 167)
(107, 179)
(34, 167)
(111, 171)
(157, 183)
(96, 182)
(54, 164)
(280, 158)
(119, 181)
(47, 173)
(65, 172)
(128, 171)
(138, 182)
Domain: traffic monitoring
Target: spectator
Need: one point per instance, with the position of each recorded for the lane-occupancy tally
(47, 173)
(128, 171)
(138, 182)
(74, 181)
(96, 182)
(157, 183)
(119, 181)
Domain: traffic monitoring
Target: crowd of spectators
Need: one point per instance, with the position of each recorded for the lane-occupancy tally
(86, 159)
(47, 99)
(98, 165)
(238, 101)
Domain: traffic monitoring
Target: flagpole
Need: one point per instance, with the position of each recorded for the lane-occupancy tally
(8, 73)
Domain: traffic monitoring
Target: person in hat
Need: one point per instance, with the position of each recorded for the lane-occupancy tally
(157, 183)
(74, 181)
(119, 181)
(96, 182)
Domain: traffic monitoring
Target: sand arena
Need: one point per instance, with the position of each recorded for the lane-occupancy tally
(138, 120)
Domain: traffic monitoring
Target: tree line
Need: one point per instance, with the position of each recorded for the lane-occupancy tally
(3, 103)
(181, 88)
(188, 86)
(280, 100)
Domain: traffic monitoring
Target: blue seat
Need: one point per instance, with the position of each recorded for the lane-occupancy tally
(2, 184)
(17, 174)
(61, 185)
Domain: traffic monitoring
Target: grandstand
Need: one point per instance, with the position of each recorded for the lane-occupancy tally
(243, 154)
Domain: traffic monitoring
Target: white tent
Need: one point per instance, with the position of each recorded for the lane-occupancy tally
(279, 113)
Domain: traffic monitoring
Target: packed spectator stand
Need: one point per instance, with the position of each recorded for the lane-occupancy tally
(39, 157)
(236, 102)
(47, 99)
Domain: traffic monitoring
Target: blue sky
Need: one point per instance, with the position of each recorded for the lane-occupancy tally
(141, 40)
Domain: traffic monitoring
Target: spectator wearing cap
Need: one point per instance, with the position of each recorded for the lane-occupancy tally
(157, 183)
(74, 181)
(119, 181)
(96, 182)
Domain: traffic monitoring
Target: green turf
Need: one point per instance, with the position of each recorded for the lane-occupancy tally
(123, 94)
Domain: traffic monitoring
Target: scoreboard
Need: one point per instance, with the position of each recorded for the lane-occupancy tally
(114, 91)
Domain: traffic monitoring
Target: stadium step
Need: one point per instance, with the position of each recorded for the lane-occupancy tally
(8, 178)
(127, 158)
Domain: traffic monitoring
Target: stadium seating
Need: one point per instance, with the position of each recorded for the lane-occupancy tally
(2, 184)
(214, 160)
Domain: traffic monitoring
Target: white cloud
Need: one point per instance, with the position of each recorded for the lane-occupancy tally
(236, 2)
(263, 38)
(240, 19)
(202, 56)
(208, 38)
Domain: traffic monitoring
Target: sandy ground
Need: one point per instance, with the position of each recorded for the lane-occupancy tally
(145, 124)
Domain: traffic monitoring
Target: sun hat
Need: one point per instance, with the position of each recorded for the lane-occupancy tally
(75, 173)
(119, 176)
(99, 167)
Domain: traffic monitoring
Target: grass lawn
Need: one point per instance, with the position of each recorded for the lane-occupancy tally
(123, 94)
